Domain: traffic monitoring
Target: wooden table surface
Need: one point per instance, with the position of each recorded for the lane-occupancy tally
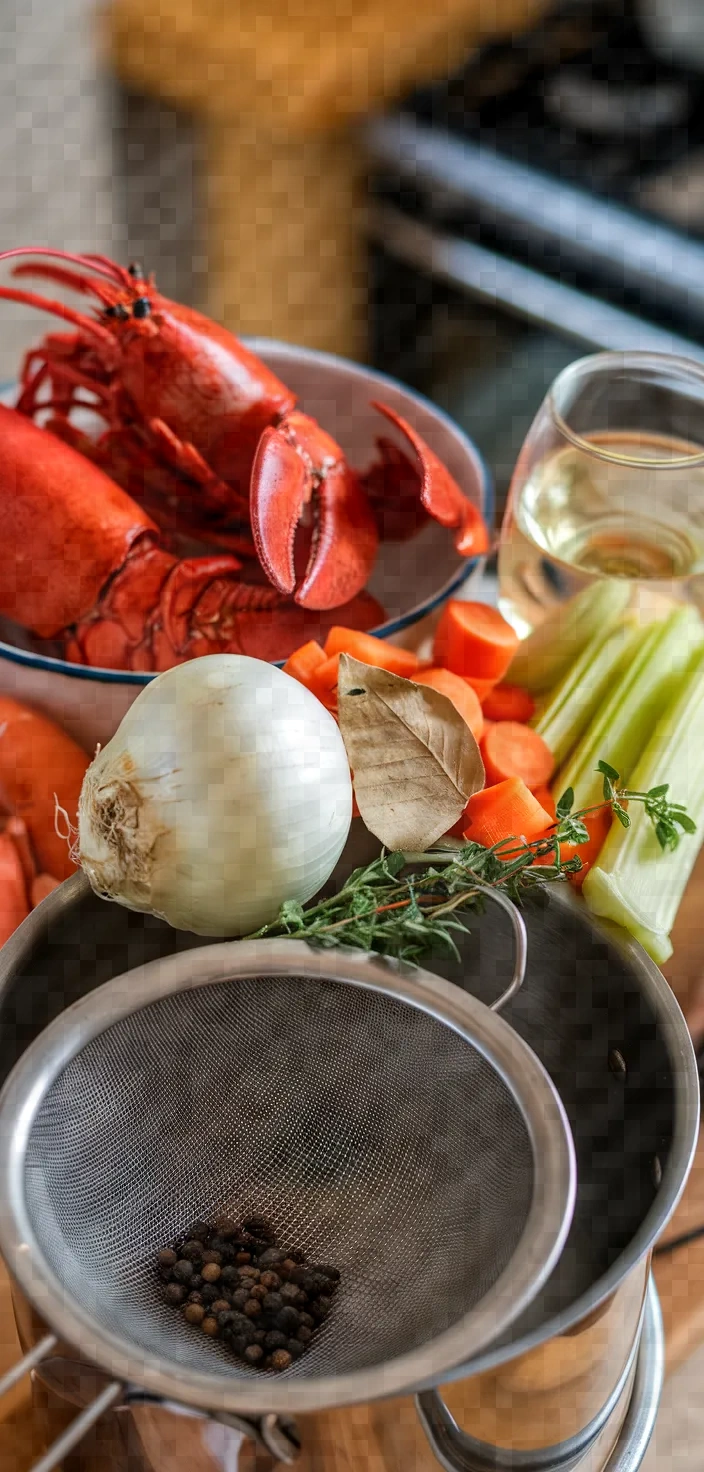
(387, 1436)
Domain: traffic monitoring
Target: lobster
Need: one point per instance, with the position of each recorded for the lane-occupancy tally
(198, 431)
(81, 562)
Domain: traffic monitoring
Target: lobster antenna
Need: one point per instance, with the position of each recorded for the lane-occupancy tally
(102, 264)
(47, 304)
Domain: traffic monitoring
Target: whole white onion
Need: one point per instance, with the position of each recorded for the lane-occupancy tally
(225, 791)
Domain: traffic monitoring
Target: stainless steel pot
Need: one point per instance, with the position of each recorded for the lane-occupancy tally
(603, 1021)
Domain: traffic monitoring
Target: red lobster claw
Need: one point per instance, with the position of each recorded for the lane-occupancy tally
(298, 465)
(440, 495)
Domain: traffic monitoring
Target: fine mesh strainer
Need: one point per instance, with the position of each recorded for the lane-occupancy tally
(382, 1119)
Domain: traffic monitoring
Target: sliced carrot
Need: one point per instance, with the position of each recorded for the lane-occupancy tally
(13, 890)
(502, 811)
(324, 681)
(481, 688)
(509, 703)
(546, 800)
(37, 760)
(474, 640)
(459, 692)
(355, 810)
(303, 663)
(370, 650)
(43, 885)
(512, 750)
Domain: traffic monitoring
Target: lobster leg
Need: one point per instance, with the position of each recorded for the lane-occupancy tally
(439, 493)
(300, 471)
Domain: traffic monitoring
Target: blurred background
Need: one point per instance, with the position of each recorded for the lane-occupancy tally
(462, 196)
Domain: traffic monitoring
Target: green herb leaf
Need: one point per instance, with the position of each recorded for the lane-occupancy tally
(566, 803)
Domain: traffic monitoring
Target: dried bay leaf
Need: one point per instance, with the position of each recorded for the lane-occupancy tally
(415, 761)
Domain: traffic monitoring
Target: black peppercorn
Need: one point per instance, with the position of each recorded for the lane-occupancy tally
(167, 1257)
(194, 1312)
(195, 1297)
(304, 1334)
(287, 1267)
(259, 1226)
(249, 1274)
(183, 1271)
(197, 1280)
(210, 1326)
(254, 1354)
(273, 1303)
(242, 1257)
(252, 1308)
(295, 1348)
(209, 1293)
(212, 1257)
(259, 1336)
(275, 1340)
(307, 1320)
(221, 1306)
(240, 1298)
(211, 1272)
(291, 1294)
(258, 1291)
(199, 1232)
(331, 1274)
(280, 1359)
(224, 1318)
(271, 1281)
(192, 1251)
(271, 1258)
(230, 1275)
(298, 1275)
(175, 1293)
(288, 1320)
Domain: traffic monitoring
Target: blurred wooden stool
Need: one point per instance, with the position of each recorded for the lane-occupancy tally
(277, 85)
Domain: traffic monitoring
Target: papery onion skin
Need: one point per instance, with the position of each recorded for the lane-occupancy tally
(225, 791)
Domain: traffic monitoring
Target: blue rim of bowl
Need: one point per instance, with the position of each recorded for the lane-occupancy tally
(25, 657)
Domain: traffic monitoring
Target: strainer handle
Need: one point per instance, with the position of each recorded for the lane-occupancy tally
(520, 944)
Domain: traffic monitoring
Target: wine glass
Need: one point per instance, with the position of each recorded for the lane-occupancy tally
(608, 489)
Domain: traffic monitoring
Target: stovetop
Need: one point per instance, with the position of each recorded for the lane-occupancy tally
(583, 98)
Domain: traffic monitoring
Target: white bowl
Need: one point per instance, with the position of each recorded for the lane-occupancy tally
(411, 579)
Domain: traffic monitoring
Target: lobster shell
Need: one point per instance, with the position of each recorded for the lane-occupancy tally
(93, 522)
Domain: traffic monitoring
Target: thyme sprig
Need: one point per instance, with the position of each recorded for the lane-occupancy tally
(398, 908)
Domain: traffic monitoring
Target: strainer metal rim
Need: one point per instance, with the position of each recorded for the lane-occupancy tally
(536, 1254)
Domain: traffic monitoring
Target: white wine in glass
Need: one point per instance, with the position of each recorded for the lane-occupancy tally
(609, 485)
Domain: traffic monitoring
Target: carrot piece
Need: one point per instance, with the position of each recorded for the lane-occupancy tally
(303, 663)
(459, 692)
(370, 650)
(13, 890)
(502, 811)
(475, 640)
(546, 800)
(481, 688)
(43, 885)
(38, 759)
(355, 810)
(324, 681)
(512, 750)
(509, 703)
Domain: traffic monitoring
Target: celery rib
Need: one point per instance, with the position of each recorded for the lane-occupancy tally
(634, 882)
(547, 653)
(626, 720)
(573, 704)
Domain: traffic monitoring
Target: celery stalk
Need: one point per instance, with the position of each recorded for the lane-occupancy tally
(574, 702)
(548, 652)
(625, 722)
(634, 882)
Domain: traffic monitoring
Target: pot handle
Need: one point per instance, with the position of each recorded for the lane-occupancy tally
(520, 944)
(276, 1435)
